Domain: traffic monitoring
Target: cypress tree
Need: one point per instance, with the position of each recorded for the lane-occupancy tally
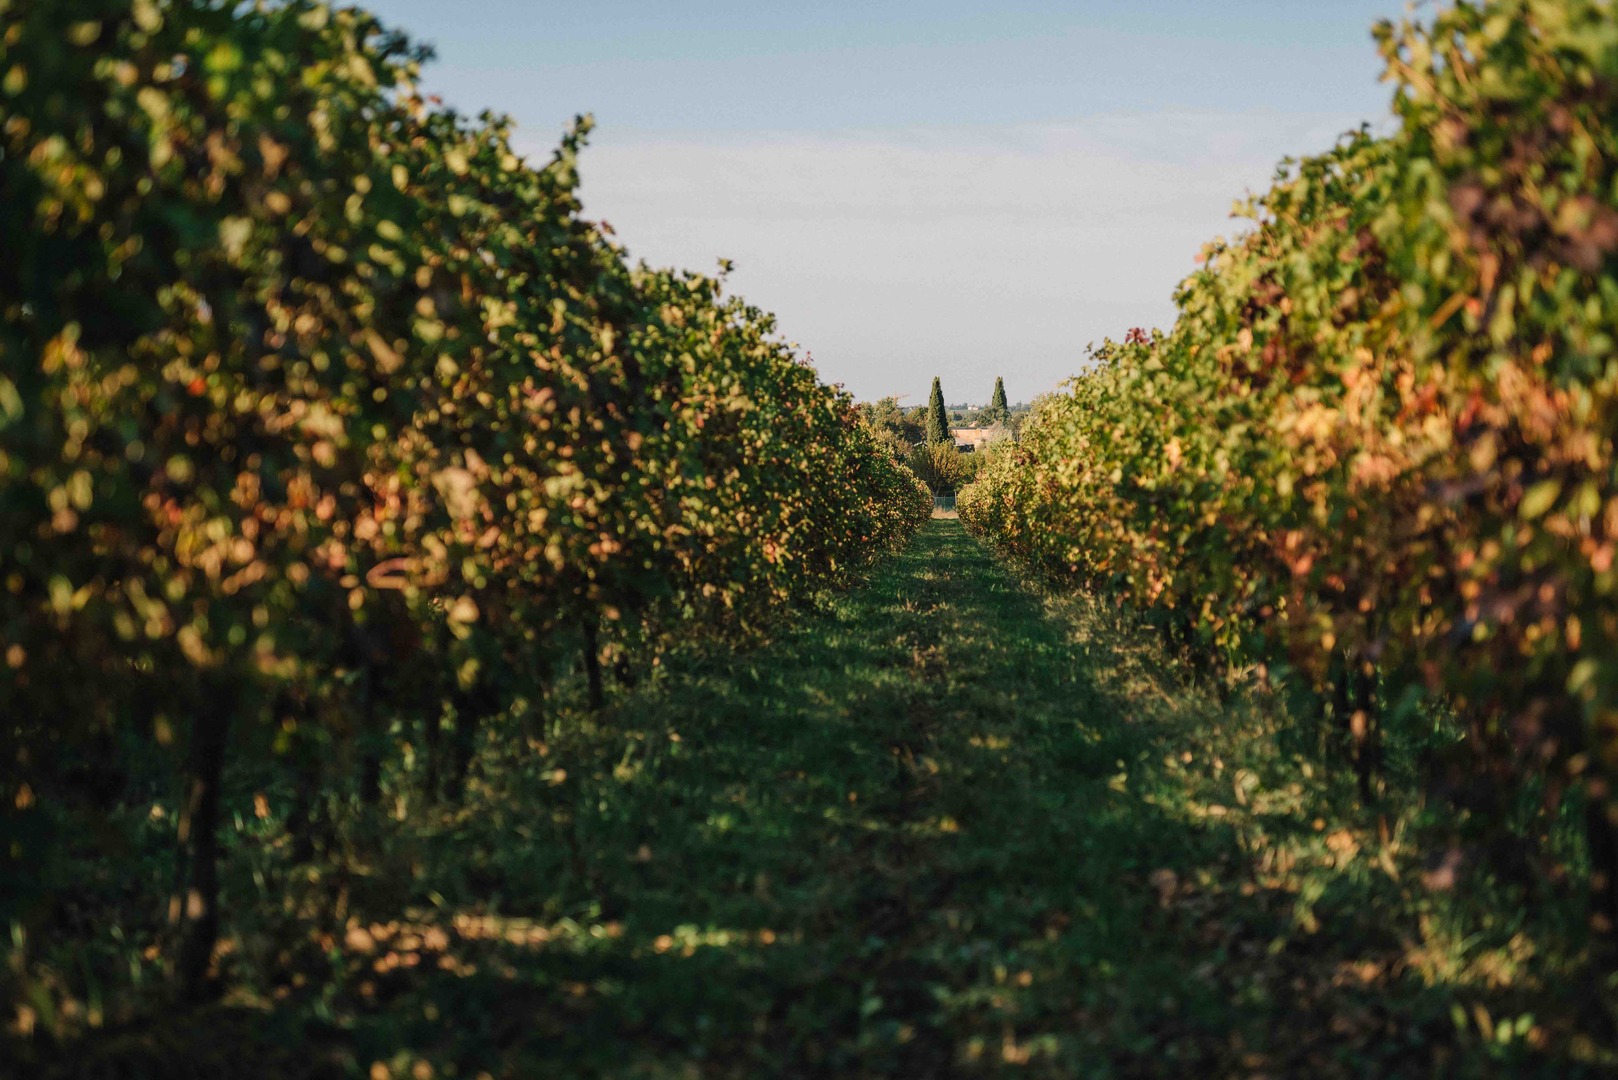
(997, 404)
(937, 425)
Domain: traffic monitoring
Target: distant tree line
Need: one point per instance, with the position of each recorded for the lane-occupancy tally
(921, 436)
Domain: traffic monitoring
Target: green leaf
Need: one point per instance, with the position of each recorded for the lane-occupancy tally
(1538, 499)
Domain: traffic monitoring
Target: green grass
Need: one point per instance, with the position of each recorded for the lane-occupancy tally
(945, 827)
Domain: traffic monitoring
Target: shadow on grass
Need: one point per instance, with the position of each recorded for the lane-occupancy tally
(944, 828)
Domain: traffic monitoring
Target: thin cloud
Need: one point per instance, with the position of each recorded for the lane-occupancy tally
(962, 252)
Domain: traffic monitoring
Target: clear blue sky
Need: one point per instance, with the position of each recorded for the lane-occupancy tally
(962, 189)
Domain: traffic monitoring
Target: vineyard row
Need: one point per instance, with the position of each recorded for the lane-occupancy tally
(320, 407)
(1376, 447)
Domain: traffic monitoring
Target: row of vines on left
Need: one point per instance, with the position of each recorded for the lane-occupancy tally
(322, 412)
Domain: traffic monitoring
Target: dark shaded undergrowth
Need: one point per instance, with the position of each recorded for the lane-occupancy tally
(945, 827)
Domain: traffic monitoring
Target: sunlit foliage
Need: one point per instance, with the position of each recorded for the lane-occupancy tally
(1378, 442)
(320, 407)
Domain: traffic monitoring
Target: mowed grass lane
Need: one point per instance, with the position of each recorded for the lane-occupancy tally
(943, 828)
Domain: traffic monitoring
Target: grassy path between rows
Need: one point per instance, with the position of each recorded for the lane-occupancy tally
(944, 828)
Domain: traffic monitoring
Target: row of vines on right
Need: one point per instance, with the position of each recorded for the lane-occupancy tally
(324, 417)
(1376, 447)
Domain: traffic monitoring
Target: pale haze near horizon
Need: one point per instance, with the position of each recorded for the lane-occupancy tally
(950, 189)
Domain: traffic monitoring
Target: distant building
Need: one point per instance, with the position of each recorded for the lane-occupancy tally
(968, 439)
